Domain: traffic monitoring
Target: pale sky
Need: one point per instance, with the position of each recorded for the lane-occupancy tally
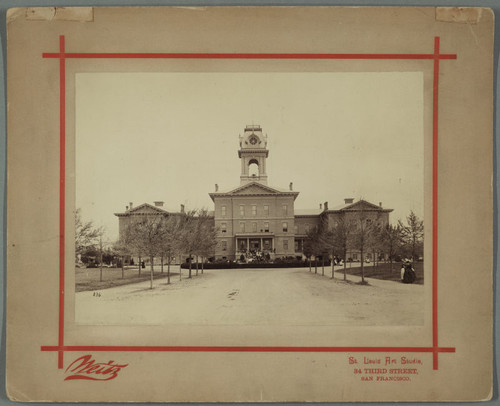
(142, 137)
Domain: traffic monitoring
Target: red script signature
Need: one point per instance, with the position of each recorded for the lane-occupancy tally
(86, 368)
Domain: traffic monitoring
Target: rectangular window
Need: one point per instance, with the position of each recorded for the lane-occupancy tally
(254, 209)
(223, 227)
(296, 229)
(285, 245)
(242, 227)
(266, 210)
(254, 227)
(299, 245)
(266, 227)
(242, 210)
(223, 211)
(307, 228)
(285, 227)
(285, 210)
(224, 245)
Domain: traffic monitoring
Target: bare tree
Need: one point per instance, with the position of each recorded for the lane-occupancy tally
(413, 235)
(341, 235)
(172, 230)
(363, 235)
(391, 239)
(333, 239)
(207, 236)
(86, 233)
(314, 244)
(187, 238)
(146, 236)
(307, 249)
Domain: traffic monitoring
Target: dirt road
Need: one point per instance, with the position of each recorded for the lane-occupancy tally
(255, 297)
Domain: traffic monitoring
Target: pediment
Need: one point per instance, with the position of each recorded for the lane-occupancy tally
(255, 188)
(362, 205)
(146, 209)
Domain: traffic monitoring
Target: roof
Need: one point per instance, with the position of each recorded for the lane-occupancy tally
(254, 188)
(352, 206)
(146, 207)
(308, 212)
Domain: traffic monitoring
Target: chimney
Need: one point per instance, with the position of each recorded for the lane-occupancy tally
(326, 206)
(182, 208)
(320, 206)
(291, 185)
(158, 204)
(131, 205)
(348, 200)
(380, 204)
(216, 187)
(126, 207)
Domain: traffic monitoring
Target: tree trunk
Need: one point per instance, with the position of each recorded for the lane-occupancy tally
(152, 271)
(123, 266)
(322, 265)
(345, 266)
(100, 258)
(310, 268)
(140, 265)
(162, 264)
(362, 266)
(190, 266)
(168, 270)
(390, 261)
(333, 265)
(315, 265)
(202, 263)
(196, 265)
(180, 266)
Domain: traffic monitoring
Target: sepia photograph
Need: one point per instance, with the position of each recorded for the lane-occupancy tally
(248, 198)
(249, 204)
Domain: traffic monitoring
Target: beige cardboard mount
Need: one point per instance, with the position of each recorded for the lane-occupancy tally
(447, 357)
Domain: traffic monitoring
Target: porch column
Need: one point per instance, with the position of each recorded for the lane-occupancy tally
(261, 244)
(248, 244)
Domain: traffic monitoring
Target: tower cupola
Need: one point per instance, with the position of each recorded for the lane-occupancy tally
(253, 153)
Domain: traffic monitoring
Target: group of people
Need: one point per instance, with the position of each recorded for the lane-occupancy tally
(255, 256)
(407, 272)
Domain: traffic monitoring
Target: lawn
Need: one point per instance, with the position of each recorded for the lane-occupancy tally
(382, 271)
(89, 278)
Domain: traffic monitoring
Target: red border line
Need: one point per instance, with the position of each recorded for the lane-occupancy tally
(62, 56)
(435, 93)
(62, 189)
(243, 349)
(83, 55)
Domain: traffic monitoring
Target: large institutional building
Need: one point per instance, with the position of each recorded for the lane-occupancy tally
(258, 218)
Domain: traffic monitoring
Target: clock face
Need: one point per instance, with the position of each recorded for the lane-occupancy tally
(253, 140)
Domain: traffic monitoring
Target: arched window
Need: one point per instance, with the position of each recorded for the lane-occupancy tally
(253, 168)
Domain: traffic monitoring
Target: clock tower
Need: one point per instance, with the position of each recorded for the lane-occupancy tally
(253, 153)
